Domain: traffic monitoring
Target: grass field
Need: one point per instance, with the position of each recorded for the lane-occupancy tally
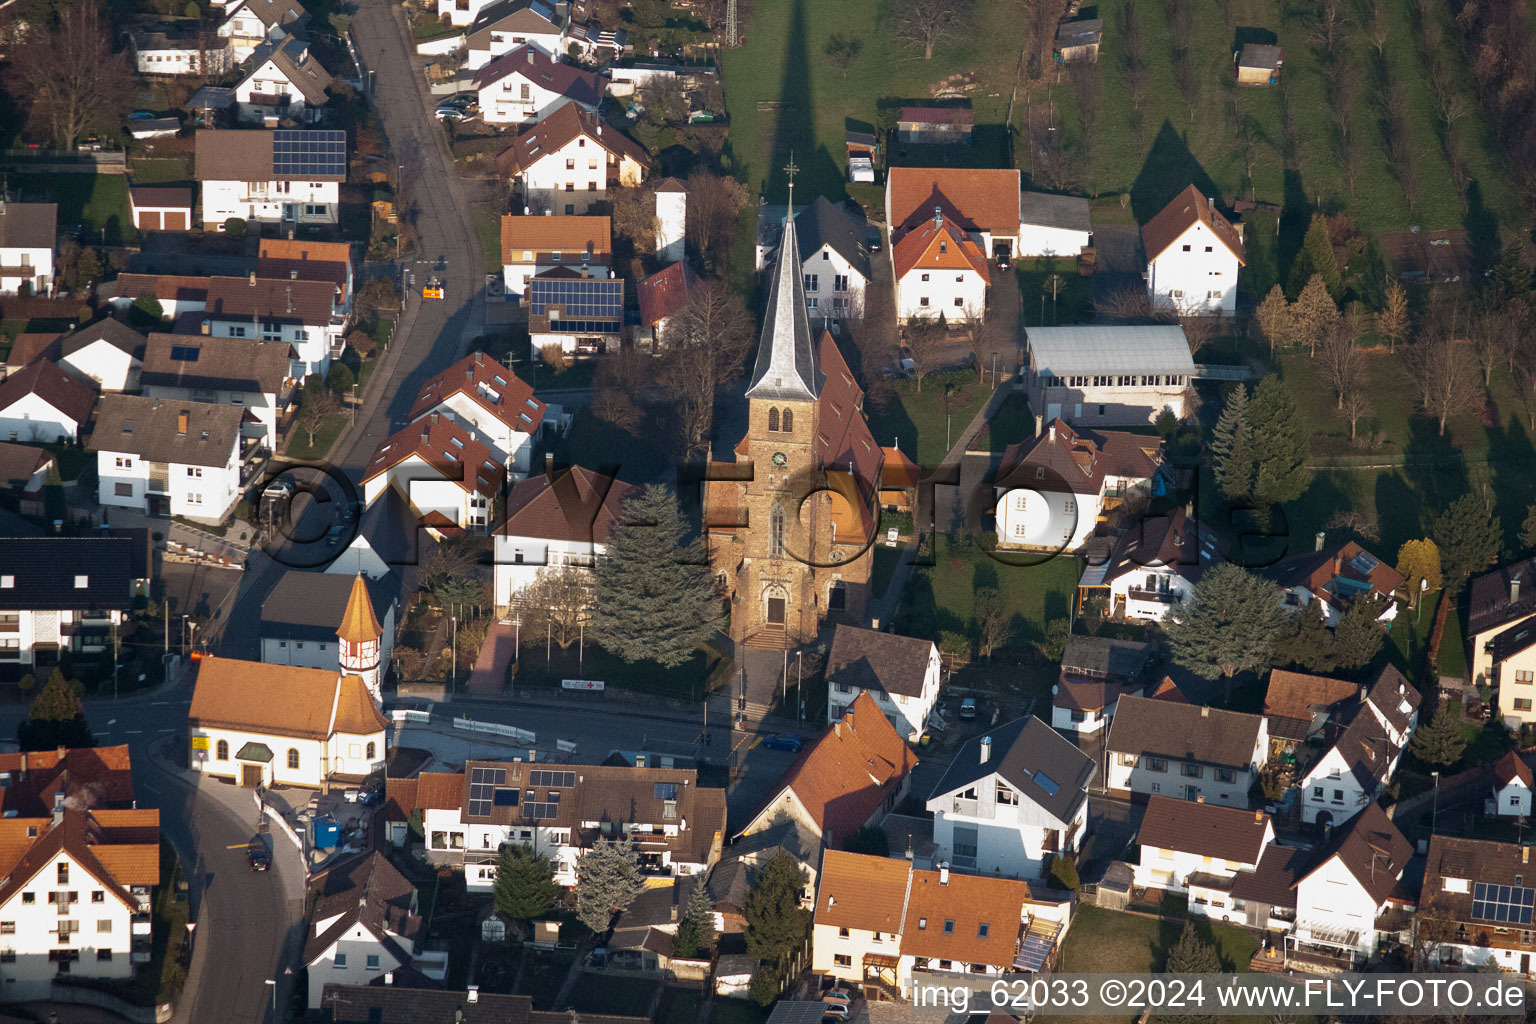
(1010, 424)
(162, 170)
(917, 419)
(488, 226)
(784, 95)
(96, 202)
(942, 597)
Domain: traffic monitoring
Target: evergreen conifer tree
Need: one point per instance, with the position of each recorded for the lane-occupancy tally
(1231, 450)
(607, 882)
(1468, 539)
(1229, 627)
(1439, 742)
(1279, 442)
(525, 884)
(696, 929)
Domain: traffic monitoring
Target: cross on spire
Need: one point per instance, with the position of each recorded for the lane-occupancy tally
(791, 169)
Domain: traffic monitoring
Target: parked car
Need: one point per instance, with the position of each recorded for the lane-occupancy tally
(834, 1012)
(968, 708)
(873, 242)
(334, 534)
(465, 101)
(785, 741)
(448, 112)
(837, 995)
(258, 857)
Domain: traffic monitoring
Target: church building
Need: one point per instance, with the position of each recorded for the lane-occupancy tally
(324, 620)
(790, 522)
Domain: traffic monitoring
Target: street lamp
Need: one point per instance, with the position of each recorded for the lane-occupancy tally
(1434, 818)
(273, 983)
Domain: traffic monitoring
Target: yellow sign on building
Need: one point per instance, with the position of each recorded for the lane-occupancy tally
(200, 742)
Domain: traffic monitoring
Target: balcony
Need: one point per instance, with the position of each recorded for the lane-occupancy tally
(142, 951)
(1158, 596)
(964, 806)
(140, 924)
(10, 625)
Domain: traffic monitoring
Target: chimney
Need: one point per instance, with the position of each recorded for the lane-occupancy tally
(1053, 431)
(1338, 564)
(181, 421)
(1258, 817)
(1205, 712)
(290, 298)
(252, 279)
(469, 374)
(837, 728)
(986, 749)
(207, 327)
(549, 465)
(1525, 855)
(425, 437)
(530, 55)
(1514, 589)
(1317, 541)
(293, 275)
(943, 872)
(389, 977)
(1200, 799)
(938, 217)
(472, 994)
(58, 808)
(434, 419)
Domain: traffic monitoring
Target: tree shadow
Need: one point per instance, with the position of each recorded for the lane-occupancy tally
(1295, 216)
(1482, 226)
(1434, 464)
(1169, 169)
(1512, 468)
(1394, 499)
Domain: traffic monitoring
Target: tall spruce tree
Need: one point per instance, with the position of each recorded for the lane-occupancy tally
(525, 883)
(607, 882)
(56, 718)
(1439, 742)
(1305, 641)
(776, 923)
(1319, 249)
(1280, 443)
(1468, 539)
(655, 598)
(1229, 627)
(696, 929)
(1231, 450)
(1528, 528)
(1358, 636)
(1193, 955)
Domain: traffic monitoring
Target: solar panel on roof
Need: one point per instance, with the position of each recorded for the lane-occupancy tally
(1364, 563)
(582, 298)
(184, 353)
(482, 785)
(1503, 904)
(1047, 783)
(505, 797)
(301, 153)
(1035, 951)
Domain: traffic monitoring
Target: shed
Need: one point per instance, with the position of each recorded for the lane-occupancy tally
(733, 974)
(1079, 40)
(157, 128)
(1114, 891)
(935, 125)
(160, 209)
(1259, 64)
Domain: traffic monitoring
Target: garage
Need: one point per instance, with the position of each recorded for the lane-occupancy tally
(160, 209)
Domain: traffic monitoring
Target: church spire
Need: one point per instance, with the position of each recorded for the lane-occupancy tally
(359, 624)
(786, 359)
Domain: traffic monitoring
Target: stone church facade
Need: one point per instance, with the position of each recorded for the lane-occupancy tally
(790, 537)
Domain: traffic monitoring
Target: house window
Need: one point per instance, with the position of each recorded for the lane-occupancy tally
(776, 531)
(341, 962)
(959, 301)
(123, 490)
(7, 927)
(949, 926)
(1317, 792)
(924, 277)
(98, 896)
(196, 471)
(124, 463)
(1522, 703)
(371, 749)
(63, 873)
(842, 960)
(923, 301)
(811, 283)
(1186, 248)
(839, 282)
(103, 954)
(1078, 716)
(1007, 796)
(1226, 775)
(222, 750)
(842, 933)
(965, 845)
(1193, 771)
(982, 929)
(1069, 507)
(1525, 675)
(1338, 796)
(372, 961)
(104, 926)
(293, 759)
(1157, 764)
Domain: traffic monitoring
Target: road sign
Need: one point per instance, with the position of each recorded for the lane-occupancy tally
(581, 684)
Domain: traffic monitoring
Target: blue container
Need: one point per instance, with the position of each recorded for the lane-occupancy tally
(327, 833)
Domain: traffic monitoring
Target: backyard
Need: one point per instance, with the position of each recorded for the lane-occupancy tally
(926, 423)
(97, 203)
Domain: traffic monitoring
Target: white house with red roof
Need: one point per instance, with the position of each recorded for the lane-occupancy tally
(946, 224)
(43, 403)
(1510, 794)
(492, 403)
(528, 85)
(1052, 489)
(662, 296)
(559, 518)
(448, 477)
(570, 160)
(1193, 256)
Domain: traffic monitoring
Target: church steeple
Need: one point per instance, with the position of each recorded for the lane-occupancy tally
(786, 358)
(359, 635)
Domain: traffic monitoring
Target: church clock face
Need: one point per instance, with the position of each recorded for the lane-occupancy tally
(780, 459)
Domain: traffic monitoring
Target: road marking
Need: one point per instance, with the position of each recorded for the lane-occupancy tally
(237, 846)
(133, 732)
(166, 730)
(158, 703)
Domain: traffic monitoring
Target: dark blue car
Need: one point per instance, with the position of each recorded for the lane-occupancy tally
(784, 741)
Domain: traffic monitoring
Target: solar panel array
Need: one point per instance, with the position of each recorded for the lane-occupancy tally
(1035, 951)
(583, 298)
(185, 353)
(482, 786)
(300, 154)
(666, 791)
(506, 796)
(540, 811)
(1503, 904)
(541, 777)
(1364, 564)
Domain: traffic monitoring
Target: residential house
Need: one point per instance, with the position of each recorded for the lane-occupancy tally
(283, 81)
(1052, 490)
(1011, 799)
(850, 777)
(1052, 226)
(901, 673)
(1265, 898)
(28, 232)
(30, 346)
(160, 209)
(1079, 40)
(76, 898)
(1335, 576)
(883, 924)
(248, 374)
(935, 126)
(1355, 770)
(1476, 903)
(983, 203)
(24, 472)
(249, 23)
(731, 880)
(1095, 673)
(1155, 564)
(448, 477)
(1117, 375)
(1299, 706)
(1186, 751)
(1259, 64)
(833, 259)
(1193, 256)
(306, 614)
(594, 43)
(304, 260)
(1512, 787)
(531, 245)
(463, 12)
(528, 85)
(940, 271)
(1198, 849)
(301, 313)
(42, 403)
(505, 26)
(277, 725)
(677, 826)
(554, 520)
(574, 311)
(1501, 620)
(661, 297)
(174, 294)
(166, 457)
(158, 52)
(1343, 895)
(365, 928)
(64, 596)
(427, 792)
(570, 160)
(278, 176)
(492, 403)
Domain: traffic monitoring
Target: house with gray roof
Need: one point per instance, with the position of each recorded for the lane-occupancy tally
(1186, 751)
(28, 232)
(900, 672)
(282, 80)
(1011, 799)
(301, 615)
(833, 258)
(1111, 375)
(167, 457)
(108, 353)
(1053, 226)
(1096, 671)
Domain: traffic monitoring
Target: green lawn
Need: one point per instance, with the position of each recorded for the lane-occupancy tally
(1109, 942)
(1011, 423)
(98, 202)
(1155, 153)
(942, 597)
(916, 420)
(783, 95)
(1073, 299)
(161, 170)
(298, 439)
(488, 226)
(614, 995)
(739, 1011)
(686, 682)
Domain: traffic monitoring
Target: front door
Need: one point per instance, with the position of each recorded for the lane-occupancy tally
(776, 611)
(1525, 963)
(250, 776)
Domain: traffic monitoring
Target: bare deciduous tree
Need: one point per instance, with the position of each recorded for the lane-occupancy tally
(707, 343)
(1342, 365)
(557, 604)
(842, 51)
(318, 406)
(1130, 304)
(1393, 322)
(713, 204)
(73, 79)
(924, 336)
(634, 217)
(994, 623)
(1354, 406)
(925, 23)
(985, 339)
(1445, 377)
